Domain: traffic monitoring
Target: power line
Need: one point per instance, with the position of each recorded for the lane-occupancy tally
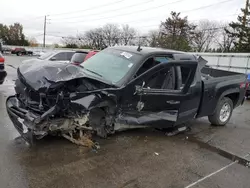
(91, 8)
(202, 7)
(147, 25)
(207, 6)
(151, 8)
(113, 10)
(150, 19)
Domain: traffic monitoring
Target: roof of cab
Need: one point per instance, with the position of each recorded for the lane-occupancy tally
(146, 50)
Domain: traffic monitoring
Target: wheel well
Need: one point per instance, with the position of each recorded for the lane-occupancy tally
(234, 97)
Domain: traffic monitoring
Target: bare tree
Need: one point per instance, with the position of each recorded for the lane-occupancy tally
(204, 35)
(153, 38)
(95, 38)
(33, 42)
(111, 34)
(70, 42)
(225, 41)
(127, 35)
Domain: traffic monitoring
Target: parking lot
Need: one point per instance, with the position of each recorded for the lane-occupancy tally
(204, 157)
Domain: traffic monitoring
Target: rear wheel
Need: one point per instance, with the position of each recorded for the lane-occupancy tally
(222, 113)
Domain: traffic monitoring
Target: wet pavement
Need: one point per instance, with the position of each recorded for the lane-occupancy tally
(132, 159)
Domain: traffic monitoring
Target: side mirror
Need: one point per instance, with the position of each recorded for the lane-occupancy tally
(139, 89)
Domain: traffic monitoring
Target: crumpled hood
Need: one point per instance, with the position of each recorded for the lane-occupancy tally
(43, 74)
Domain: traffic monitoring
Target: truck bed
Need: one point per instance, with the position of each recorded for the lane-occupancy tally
(208, 73)
(218, 83)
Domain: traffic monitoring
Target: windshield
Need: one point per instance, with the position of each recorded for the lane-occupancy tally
(111, 64)
(45, 56)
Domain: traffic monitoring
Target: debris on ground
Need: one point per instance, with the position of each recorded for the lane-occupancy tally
(156, 153)
(175, 131)
(84, 139)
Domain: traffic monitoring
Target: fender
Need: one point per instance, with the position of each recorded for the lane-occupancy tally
(227, 92)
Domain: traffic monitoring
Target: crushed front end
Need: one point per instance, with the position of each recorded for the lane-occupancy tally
(72, 108)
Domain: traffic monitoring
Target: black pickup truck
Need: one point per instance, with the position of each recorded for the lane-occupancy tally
(120, 88)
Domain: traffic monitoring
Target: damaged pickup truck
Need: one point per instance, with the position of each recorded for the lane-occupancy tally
(121, 88)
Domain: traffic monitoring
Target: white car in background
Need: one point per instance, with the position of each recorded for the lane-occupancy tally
(58, 56)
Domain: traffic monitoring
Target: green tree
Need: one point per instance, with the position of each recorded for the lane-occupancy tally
(176, 33)
(4, 33)
(13, 35)
(240, 31)
(56, 45)
(71, 46)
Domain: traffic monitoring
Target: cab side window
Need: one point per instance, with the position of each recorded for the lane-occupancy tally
(146, 66)
(170, 78)
(151, 62)
(184, 75)
(164, 79)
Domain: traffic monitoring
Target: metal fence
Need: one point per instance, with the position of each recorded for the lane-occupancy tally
(236, 62)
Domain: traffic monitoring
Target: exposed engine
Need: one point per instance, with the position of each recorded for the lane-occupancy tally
(73, 109)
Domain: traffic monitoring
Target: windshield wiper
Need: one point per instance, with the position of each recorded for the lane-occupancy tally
(93, 72)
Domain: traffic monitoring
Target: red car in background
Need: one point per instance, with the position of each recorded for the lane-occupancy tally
(2, 70)
(81, 56)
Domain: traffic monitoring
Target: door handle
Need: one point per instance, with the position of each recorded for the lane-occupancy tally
(173, 102)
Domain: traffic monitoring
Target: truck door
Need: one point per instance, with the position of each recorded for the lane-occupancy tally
(156, 96)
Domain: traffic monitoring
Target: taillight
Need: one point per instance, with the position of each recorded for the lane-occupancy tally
(1, 60)
(247, 85)
(243, 85)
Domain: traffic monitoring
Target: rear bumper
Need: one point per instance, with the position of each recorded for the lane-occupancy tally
(248, 92)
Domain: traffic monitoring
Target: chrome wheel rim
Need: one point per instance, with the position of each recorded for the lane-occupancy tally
(225, 112)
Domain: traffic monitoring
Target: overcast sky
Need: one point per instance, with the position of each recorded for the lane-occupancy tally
(76, 16)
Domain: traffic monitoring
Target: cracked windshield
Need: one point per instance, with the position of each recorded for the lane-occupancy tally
(125, 94)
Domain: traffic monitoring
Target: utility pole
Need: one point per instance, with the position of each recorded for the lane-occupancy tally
(44, 30)
(244, 21)
(245, 13)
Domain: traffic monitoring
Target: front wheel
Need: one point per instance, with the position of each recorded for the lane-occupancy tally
(223, 112)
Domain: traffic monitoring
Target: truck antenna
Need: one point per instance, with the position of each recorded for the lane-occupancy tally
(139, 48)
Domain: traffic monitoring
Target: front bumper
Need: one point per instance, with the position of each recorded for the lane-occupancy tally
(21, 119)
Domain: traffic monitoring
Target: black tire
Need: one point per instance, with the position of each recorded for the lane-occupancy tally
(215, 118)
(19, 53)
